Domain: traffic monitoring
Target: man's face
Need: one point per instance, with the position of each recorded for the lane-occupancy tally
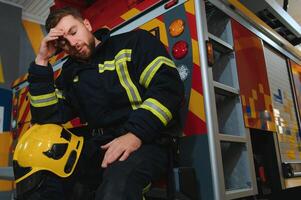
(77, 39)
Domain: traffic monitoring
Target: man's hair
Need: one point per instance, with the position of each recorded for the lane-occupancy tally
(55, 16)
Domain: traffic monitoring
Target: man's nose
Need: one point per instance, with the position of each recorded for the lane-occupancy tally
(71, 41)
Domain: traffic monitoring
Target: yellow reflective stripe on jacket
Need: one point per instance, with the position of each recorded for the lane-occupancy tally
(108, 65)
(122, 56)
(149, 72)
(125, 79)
(158, 109)
(43, 100)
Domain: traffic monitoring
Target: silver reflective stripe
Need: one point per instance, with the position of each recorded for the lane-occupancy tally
(158, 109)
(149, 72)
(125, 55)
(108, 65)
(121, 56)
(44, 102)
(134, 97)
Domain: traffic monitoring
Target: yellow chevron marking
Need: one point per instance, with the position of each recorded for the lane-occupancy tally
(157, 23)
(195, 52)
(131, 13)
(189, 6)
(1, 72)
(34, 34)
(196, 104)
(28, 117)
(21, 111)
(19, 80)
(25, 127)
(23, 106)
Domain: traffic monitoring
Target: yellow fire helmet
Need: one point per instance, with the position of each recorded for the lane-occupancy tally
(47, 147)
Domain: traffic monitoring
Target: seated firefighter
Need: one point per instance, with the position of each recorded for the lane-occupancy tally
(125, 88)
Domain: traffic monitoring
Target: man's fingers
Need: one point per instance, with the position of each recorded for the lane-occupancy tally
(56, 31)
(51, 38)
(124, 156)
(106, 146)
(111, 156)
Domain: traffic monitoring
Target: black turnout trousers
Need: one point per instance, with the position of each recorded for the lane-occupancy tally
(122, 180)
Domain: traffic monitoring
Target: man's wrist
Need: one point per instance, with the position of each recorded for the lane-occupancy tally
(40, 61)
(132, 135)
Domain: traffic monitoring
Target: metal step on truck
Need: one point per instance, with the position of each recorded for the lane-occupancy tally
(242, 77)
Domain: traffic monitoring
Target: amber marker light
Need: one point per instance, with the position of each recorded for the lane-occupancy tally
(210, 53)
(176, 28)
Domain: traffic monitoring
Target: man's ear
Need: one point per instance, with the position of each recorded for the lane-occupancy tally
(88, 24)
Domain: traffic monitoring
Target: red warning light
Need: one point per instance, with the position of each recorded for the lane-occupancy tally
(180, 49)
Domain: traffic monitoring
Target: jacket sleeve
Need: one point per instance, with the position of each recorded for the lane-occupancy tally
(164, 90)
(47, 103)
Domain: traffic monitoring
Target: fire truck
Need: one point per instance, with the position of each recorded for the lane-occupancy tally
(242, 77)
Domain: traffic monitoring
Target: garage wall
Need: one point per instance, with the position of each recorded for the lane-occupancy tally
(10, 20)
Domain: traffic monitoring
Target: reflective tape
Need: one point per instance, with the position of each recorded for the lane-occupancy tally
(123, 55)
(158, 109)
(123, 74)
(128, 85)
(108, 65)
(43, 100)
(149, 72)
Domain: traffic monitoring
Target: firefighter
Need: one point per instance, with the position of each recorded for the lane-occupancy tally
(125, 88)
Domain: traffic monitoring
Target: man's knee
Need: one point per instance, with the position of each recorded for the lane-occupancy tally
(122, 181)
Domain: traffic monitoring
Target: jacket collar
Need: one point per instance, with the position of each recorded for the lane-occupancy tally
(102, 34)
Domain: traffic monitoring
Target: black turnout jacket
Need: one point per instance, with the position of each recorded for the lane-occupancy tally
(130, 81)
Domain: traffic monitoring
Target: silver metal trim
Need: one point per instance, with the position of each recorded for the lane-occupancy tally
(221, 42)
(278, 155)
(252, 166)
(232, 138)
(210, 110)
(234, 194)
(297, 173)
(226, 88)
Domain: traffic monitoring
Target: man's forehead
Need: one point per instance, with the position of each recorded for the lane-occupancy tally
(66, 23)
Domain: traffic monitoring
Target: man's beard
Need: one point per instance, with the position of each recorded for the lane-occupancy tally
(87, 53)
